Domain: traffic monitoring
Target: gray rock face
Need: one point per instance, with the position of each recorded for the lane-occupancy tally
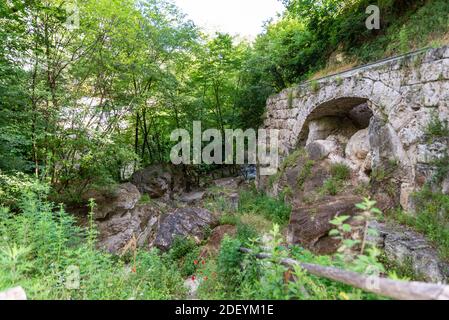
(361, 115)
(140, 224)
(411, 249)
(229, 183)
(322, 128)
(184, 222)
(358, 147)
(117, 202)
(321, 149)
(160, 181)
(192, 198)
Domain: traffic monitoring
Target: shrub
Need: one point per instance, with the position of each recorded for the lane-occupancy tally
(41, 244)
(340, 171)
(246, 233)
(432, 218)
(273, 209)
(228, 264)
(184, 253)
(437, 128)
(14, 186)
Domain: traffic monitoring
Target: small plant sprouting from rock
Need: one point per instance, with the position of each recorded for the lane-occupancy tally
(339, 81)
(437, 128)
(340, 171)
(290, 99)
(305, 173)
(314, 85)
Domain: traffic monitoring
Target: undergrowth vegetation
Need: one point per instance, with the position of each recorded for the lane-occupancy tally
(44, 251)
(432, 218)
(235, 275)
(272, 209)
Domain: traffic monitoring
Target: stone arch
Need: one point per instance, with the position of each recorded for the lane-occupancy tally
(354, 108)
(352, 115)
(402, 92)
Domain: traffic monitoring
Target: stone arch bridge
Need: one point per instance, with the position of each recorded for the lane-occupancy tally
(393, 100)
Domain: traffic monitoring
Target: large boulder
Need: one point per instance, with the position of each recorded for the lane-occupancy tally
(192, 198)
(139, 224)
(321, 149)
(115, 202)
(301, 175)
(160, 181)
(358, 148)
(361, 115)
(445, 186)
(410, 249)
(185, 223)
(310, 224)
(390, 163)
(322, 128)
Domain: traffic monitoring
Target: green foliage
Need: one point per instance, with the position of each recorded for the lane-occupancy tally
(290, 99)
(13, 186)
(331, 187)
(266, 279)
(442, 168)
(310, 32)
(315, 86)
(340, 171)
(181, 247)
(41, 244)
(144, 199)
(272, 209)
(437, 128)
(230, 219)
(339, 81)
(246, 233)
(305, 173)
(355, 249)
(228, 264)
(432, 218)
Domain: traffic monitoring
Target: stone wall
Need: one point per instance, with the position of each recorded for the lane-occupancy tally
(402, 94)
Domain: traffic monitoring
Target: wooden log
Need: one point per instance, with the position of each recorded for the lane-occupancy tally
(400, 290)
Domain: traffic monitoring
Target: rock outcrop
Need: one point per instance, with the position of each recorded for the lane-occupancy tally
(123, 221)
(411, 250)
(115, 202)
(139, 223)
(184, 222)
(160, 181)
(310, 224)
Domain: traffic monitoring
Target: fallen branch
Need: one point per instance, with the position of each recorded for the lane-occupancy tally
(400, 290)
